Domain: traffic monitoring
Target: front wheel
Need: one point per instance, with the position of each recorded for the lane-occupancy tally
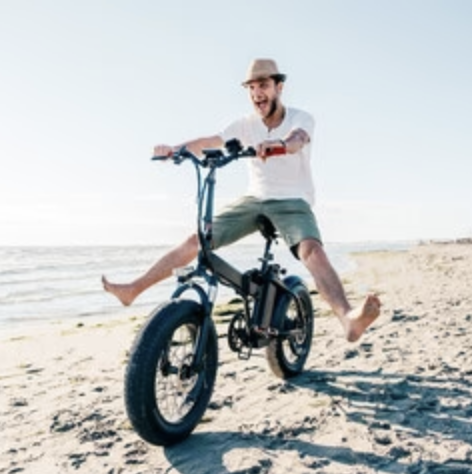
(287, 355)
(165, 398)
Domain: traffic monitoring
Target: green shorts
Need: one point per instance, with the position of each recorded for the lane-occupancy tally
(293, 219)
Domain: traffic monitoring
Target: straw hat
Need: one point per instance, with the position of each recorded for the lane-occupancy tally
(262, 69)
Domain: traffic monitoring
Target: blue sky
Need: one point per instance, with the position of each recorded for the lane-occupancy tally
(88, 88)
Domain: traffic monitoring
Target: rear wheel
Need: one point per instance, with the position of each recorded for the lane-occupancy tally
(165, 399)
(287, 355)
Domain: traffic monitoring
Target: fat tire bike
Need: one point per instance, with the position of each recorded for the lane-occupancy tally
(173, 362)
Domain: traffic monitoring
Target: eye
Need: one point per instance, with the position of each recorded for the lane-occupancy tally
(265, 84)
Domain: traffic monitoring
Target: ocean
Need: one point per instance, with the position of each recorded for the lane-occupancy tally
(39, 285)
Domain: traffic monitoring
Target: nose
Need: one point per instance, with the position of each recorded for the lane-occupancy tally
(256, 91)
(257, 95)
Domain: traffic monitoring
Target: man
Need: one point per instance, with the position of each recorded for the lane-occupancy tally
(279, 186)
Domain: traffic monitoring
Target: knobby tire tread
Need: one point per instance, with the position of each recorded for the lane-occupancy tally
(140, 397)
(274, 351)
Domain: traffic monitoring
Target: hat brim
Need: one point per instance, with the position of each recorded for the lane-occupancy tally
(277, 77)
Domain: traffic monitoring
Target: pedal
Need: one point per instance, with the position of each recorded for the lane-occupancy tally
(245, 355)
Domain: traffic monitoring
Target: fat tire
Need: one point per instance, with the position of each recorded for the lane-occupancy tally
(142, 370)
(275, 354)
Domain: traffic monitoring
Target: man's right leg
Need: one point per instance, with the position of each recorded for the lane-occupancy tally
(178, 257)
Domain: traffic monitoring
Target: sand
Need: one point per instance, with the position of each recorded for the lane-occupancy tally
(398, 401)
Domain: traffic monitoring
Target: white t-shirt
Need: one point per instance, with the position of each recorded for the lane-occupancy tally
(279, 177)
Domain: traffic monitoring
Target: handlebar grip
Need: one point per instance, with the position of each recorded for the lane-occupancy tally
(161, 158)
(276, 150)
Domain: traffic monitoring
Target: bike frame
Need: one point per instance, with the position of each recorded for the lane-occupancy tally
(212, 268)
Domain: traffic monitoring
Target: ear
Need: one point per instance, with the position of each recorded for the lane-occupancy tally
(280, 87)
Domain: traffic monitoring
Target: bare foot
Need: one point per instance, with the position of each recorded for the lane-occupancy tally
(360, 318)
(123, 291)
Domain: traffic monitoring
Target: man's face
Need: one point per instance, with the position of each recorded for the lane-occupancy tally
(265, 95)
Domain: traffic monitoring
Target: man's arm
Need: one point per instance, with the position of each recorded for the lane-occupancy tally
(195, 146)
(199, 144)
(296, 140)
(292, 143)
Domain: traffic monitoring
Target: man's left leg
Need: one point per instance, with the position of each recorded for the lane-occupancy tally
(354, 320)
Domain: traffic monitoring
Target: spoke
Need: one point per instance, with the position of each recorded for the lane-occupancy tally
(176, 394)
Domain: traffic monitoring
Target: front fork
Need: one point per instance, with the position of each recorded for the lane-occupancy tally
(207, 300)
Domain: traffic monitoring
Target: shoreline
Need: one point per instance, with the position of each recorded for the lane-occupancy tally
(397, 401)
(100, 307)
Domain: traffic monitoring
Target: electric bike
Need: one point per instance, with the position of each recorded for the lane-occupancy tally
(173, 363)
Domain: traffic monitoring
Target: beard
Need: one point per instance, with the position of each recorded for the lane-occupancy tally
(267, 108)
(272, 108)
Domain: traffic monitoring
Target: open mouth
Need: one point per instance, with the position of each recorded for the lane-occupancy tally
(261, 104)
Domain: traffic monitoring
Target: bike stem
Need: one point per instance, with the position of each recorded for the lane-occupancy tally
(207, 233)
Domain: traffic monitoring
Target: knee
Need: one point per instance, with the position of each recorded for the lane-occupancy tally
(311, 251)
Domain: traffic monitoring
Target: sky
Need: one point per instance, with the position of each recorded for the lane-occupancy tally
(88, 88)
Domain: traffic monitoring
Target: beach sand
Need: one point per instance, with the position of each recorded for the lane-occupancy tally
(398, 401)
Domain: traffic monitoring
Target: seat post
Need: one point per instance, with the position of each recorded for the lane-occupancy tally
(268, 256)
(269, 233)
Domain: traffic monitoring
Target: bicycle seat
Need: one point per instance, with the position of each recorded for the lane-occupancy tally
(266, 227)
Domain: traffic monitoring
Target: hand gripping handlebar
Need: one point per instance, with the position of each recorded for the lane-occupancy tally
(233, 148)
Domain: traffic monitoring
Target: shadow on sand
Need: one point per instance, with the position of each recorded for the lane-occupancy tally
(414, 405)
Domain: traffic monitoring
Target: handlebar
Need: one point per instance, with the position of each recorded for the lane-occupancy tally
(216, 158)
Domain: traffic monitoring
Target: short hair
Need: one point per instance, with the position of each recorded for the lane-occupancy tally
(279, 78)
